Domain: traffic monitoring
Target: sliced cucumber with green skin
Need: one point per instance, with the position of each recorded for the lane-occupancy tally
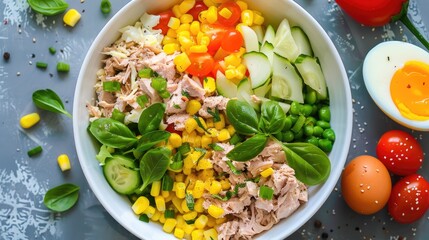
(122, 174)
(259, 68)
(259, 32)
(245, 92)
(263, 90)
(250, 39)
(267, 48)
(284, 44)
(312, 74)
(286, 84)
(224, 86)
(302, 41)
(269, 36)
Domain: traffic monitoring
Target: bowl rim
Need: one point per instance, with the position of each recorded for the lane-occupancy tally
(310, 208)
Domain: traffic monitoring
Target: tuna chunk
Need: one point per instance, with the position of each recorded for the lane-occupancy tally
(145, 86)
(178, 120)
(218, 102)
(192, 87)
(176, 103)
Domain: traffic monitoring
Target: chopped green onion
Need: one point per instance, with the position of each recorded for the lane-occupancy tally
(146, 73)
(169, 213)
(216, 147)
(34, 151)
(266, 192)
(118, 115)
(186, 94)
(144, 218)
(52, 50)
(176, 106)
(63, 67)
(164, 94)
(197, 119)
(215, 114)
(41, 65)
(229, 194)
(111, 86)
(232, 167)
(175, 166)
(235, 139)
(142, 100)
(167, 183)
(105, 6)
(184, 149)
(189, 222)
(159, 84)
(190, 201)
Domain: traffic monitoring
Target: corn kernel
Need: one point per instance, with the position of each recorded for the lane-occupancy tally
(230, 74)
(267, 172)
(198, 206)
(177, 202)
(190, 216)
(215, 211)
(162, 218)
(190, 125)
(193, 107)
(169, 225)
(188, 228)
(204, 164)
(155, 189)
(206, 174)
(186, 42)
(210, 122)
(160, 203)
(182, 62)
(210, 234)
(231, 129)
(198, 49)
(71, 17)
(198, 189)
(176, 11)
(150, 211)
(175, 140)
(180, 221)
(185, 207)
(194, 28)
(140, 205)
(171, 33)
(242, 5)
(204, 40)
(179, 233)
(187, 171)
(225, 184)
(225, 12)
(202, 17)
(212, 132)
(201, 221)
(186, 5)
(197, 142)
(258, 19)
(211, 222)
(173, 23)
(64, 162)
(29, 120)
(205, 141)
(219, 125)
(171, 48)
(215, 187)
(212, 15)
(184, 28)
(167, 40)
(238, 27)
(247, 17)
(233, 60)
(209, 3)
(223, 135)
(165, 194)
(186, 18)
(156, 216)
(197, 234)
(241, 68)
(180, 190)
(203, 123)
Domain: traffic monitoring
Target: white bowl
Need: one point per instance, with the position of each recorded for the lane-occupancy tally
(341, 114)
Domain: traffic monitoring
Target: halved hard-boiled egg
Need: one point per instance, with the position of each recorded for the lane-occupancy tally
(396, 75)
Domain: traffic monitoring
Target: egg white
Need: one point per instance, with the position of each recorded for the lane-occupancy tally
(380, 65)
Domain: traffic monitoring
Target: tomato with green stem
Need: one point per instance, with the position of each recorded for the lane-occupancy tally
(235, 10)
(163, 21)
(201, 64)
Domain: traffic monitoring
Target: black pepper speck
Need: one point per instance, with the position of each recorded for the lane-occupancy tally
(317, 224)
(6, 56)
(325, 235)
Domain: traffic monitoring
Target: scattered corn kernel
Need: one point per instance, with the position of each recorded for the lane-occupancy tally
(186, 5)
(179, 233)
(182, 62)
(190, 125)
(185, 207)
(209, 3)
(267, 172)
(197, 234)
(211, 14)
(198, 49)
(212, 132)
(186, 18)
(162, 218)
(225, 184)
(171, 48)
(225, 12)
(29, 120)
(168, 40)
(202, 17)
(160, 203)
(140, 205)
(211, 222)
(210, 234)
(201, 221)
(223, 135)
(247, 17)
(215, 211)
(150, 211)
(221, 220)
(156, 216)
(198, 206)
(233, 60)
(64, 162)
(180, 190)
(209, 85)
(242, 5)
(205, 141)
(184, 28)
(155, 189)
(203, 123)
(177, 202)
(219, 125)
(169, 225)
(258, 19)
(231, 130)
(175, 140)
(190, 216)
(71, 17)
(188, 228)
(176, 11)
(174, 23)
(204, 164)
(215, 187)
(194, 28)
(180, 221)
(193, 106)
(198, 189)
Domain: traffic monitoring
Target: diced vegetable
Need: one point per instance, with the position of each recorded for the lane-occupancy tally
(64, 162)
(286, 83)
(34, 151)
(71, 17)
(29, 120)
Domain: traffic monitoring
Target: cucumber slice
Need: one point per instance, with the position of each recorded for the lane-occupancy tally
(301, 41)
(224, 86)
(250, 39)
(245, 92)
(263, 90)
(259, 68)
(122, 174)
(286, 83)
(259, 32)
(269, 36)
(312, 74)
(284, 44)
(267, 48)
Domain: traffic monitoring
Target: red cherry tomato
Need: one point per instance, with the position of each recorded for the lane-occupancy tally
(198, 7)
(163, 21)
(235, 10)
(409, 199)
(232, 41)
(201, 64)
(170, 128)
(216, 33)
(400, 152)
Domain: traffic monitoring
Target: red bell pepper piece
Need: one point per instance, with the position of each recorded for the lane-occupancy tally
(380, 12)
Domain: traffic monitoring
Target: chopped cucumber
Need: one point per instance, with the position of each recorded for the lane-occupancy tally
(286, 83)
(284, 44)
(224, 86)
(263, 90)
(250, 39)
(269, 36)
(312, 74)
(259, 32)
(301, 41)
(245, 92)
(122, 174)
(267, 48)
(259, 68)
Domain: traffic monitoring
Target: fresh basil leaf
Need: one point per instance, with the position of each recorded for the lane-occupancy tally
(272, 118)
(61, 198)
(248, 149)
(242, 117)
(48, 7)
(47, 99)
(150, 139)
(153, 165)
(311, 165)
(151, 118)
(112, 133)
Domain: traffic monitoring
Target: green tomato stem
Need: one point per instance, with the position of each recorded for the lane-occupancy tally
(406, 21)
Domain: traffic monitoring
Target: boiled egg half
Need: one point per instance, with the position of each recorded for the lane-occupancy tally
(396, 75)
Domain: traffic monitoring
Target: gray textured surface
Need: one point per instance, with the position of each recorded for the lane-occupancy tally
(24, 180)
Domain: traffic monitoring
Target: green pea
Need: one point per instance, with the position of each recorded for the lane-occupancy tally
(299, 134)
(310, 121)
(323, 124)
(306, 110)
(313, 140)
(288, 123)
(308, 130)
(288, 136)
(294, 118)
(329, 134)
(310, 97)
(325, 114)
(295, 108)
(315, 110)
(325, 145)
(317, 131)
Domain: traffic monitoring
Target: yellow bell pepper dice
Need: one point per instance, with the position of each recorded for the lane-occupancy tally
(71, 17)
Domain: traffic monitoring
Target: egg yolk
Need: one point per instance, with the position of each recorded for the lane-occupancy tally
(409, 89)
